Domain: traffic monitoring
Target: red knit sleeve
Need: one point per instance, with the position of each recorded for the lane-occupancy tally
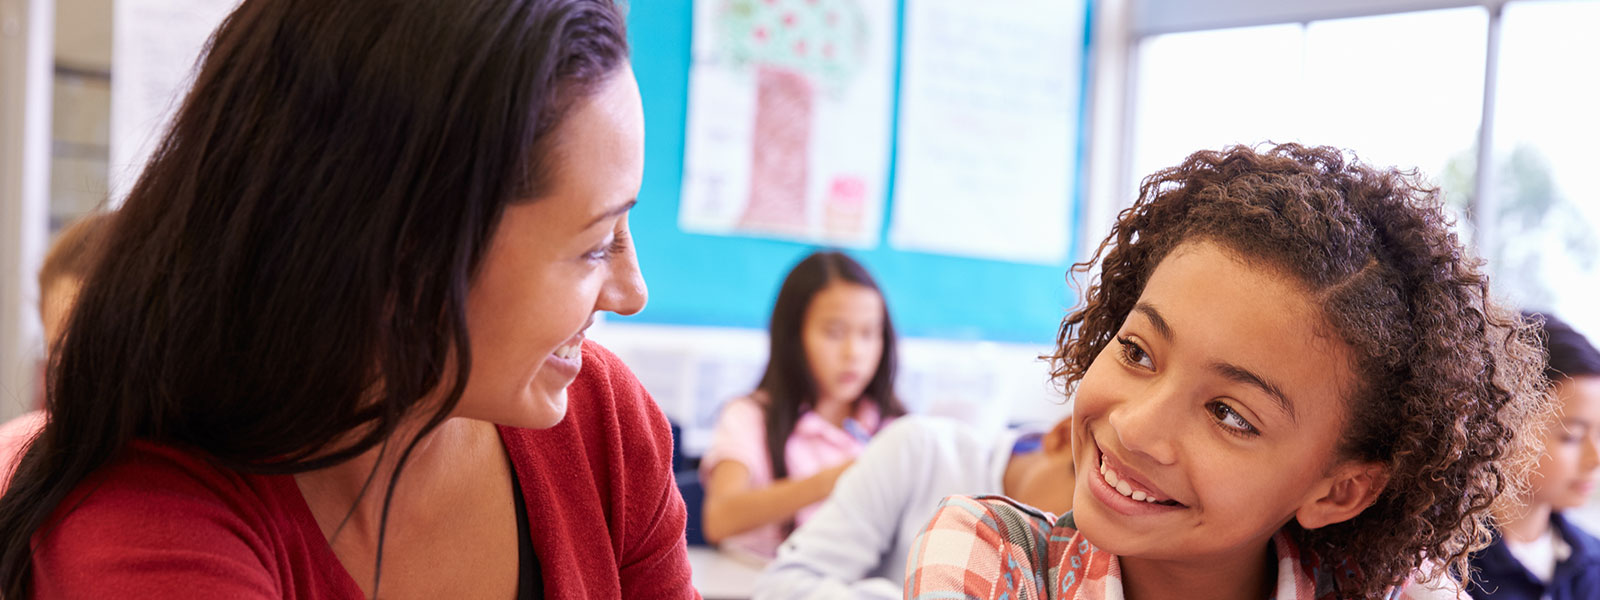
(151, 528)
(654, 559)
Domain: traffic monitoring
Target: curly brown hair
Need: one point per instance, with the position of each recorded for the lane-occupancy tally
(1447, 375)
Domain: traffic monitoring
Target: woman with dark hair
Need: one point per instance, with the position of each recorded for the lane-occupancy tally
(1538, 552)
(335, 346)
(828, 388)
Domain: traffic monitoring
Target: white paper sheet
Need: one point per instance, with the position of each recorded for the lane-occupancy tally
(789, 119)
(155, 44)
(989, 102)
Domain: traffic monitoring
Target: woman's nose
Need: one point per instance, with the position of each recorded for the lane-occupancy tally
(625, 292)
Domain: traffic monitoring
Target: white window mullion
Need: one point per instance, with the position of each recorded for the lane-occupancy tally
(1484, 203)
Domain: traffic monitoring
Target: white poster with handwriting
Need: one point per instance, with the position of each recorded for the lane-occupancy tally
(155, 46)
(789, 119)
(989, 104)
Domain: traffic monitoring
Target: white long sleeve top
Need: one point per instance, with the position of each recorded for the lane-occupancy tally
(855, 545)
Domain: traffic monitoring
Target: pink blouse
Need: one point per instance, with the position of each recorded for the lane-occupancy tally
(15, 435)
(815, 445)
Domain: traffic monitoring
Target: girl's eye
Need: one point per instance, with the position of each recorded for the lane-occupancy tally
(1231, 421)
(1135, 355)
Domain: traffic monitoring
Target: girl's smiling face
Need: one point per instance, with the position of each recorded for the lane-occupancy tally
(1214, 417)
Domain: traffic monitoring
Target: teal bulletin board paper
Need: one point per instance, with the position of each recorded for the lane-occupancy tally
(726, 281)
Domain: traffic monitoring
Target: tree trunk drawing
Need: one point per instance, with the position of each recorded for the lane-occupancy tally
(780, 152)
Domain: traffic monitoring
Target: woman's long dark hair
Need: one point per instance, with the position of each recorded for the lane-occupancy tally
(788, 383)
(288, 278)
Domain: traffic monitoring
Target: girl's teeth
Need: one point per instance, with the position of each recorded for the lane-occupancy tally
(1122, 487)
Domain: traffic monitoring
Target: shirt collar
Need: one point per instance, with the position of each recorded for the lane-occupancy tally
(863, 424)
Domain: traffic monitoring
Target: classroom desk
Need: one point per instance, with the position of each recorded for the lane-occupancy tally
(720, 576)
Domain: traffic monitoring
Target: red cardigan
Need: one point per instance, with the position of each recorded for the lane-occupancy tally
(607, 520)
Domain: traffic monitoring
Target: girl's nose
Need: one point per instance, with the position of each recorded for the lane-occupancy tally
(1144, 425)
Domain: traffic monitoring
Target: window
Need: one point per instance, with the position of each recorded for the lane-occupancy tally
(1407, 90)
(1545, 250)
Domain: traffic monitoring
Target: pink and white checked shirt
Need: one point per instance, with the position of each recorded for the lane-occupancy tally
(992, 548)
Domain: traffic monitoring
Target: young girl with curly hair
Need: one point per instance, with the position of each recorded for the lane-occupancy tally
(1290, 382)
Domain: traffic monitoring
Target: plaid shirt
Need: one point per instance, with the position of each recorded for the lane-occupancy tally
(992, 548)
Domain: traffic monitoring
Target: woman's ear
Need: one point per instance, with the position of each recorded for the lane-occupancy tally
(1343, 494)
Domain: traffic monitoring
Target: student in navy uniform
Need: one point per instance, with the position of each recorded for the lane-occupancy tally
(1537, 553)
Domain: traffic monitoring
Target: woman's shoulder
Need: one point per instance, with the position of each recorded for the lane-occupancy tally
(610, 417)
(604, 373)
(157, 486)
(158, 518)
(606, 394)
(147, 472)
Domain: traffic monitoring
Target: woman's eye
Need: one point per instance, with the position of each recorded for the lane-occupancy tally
(1231, 421)
(616, 245)
(1135, 355)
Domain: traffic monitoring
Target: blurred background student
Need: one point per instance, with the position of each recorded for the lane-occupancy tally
(1537, 552)
(69, 261)
(828, 388)
(855, 546)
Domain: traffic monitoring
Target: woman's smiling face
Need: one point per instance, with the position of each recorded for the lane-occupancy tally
(556, 261)
(1214, 416)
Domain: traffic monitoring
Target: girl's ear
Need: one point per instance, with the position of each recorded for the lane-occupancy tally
(1350, 489)
(1059, 439)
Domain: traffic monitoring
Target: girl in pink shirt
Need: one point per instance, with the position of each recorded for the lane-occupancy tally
(828, 387)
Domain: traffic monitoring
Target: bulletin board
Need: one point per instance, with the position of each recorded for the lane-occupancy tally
(730, 281)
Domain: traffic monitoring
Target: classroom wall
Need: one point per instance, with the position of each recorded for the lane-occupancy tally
(973, 330)
(729, 281)
(950, 309)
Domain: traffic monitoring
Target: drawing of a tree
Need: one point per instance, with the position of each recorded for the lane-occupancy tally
(794, 50)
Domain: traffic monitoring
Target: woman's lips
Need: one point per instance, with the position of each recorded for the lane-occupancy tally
(567, 359)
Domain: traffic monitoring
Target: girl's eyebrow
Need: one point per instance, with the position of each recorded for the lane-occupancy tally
(1232, 372)
(1245, 376)
(1156, 320)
